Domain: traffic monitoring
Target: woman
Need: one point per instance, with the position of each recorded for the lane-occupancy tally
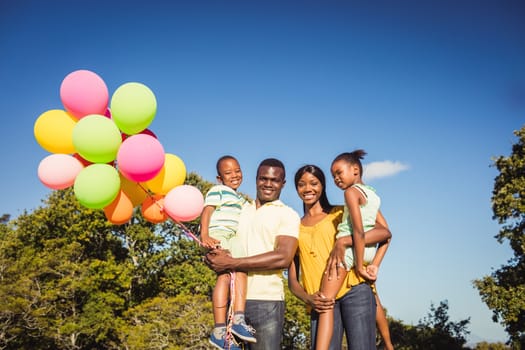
(355, 304)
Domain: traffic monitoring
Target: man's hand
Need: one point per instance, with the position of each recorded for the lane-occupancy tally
(219, 260)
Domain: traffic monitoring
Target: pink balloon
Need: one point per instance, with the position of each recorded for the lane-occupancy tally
(145, 131)
(140, 157)
(184, 203)
(58, 171)
(83, 92)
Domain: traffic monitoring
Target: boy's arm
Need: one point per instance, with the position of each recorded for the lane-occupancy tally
(207, 241)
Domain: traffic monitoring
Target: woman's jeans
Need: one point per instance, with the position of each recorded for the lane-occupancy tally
(355, 313)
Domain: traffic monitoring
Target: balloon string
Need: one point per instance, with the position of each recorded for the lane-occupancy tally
(183, 227)
(231, 313)
(187, 231)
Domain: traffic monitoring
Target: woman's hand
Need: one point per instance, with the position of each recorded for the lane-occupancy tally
(320, 303)
(336, 261)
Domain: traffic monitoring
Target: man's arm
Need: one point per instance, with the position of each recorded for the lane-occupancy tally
(279, 258)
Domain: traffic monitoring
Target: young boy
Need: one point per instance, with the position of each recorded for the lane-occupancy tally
(219, 219)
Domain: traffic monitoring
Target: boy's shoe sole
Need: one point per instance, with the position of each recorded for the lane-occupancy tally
(248, 338)
(231, 347)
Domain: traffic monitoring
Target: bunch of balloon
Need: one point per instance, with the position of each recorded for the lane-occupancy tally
(105, 151)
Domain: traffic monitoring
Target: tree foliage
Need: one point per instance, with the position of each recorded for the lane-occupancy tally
(503, 291)
(71, 280)
(434, 331)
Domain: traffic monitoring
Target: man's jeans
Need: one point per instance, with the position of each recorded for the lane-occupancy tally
(355, 312)
(267, 317)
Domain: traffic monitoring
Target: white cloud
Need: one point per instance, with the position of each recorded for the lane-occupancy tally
(376, 170)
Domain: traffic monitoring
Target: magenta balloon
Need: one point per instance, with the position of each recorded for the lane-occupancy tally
(83, 92)
(58, 171)
(140, 157)
(184, 203)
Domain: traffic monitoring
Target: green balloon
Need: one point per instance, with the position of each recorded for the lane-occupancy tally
(97, 185)
(133, 107)
(96, 138)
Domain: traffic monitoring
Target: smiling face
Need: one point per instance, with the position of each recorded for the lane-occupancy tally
(230, 173)
(344, 173)
(309, 189)
(270, 182)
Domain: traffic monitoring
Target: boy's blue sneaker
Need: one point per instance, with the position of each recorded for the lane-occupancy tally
(244, 332)
(221, 343)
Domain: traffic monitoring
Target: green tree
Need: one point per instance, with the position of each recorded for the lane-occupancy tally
(435, 331)
(71, 280)
(170, 323)
(504, 289)
(66, 278)
(491, 346)
(296, 332)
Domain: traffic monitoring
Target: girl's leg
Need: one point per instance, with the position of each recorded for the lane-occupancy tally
(329, 289)
(382, 325)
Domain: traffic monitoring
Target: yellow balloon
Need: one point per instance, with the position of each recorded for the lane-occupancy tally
(172, 174)
(134, 190)
(53, 131)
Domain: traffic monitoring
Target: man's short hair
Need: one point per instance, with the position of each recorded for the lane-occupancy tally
(273, 162)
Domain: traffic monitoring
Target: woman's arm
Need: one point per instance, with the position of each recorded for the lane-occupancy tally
(316, 301)
(293, 281)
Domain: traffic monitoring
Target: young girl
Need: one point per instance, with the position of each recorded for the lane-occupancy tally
(219, 221)
(360, 214)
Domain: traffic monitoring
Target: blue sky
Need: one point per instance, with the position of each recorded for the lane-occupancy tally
(434, 88)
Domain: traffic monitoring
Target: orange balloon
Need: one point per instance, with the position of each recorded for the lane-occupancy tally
(120, 210)
(153, 209)
(135, 192)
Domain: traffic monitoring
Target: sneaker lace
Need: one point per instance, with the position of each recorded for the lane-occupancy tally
(249, 328)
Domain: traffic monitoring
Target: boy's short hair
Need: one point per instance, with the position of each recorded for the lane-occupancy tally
(226, 157)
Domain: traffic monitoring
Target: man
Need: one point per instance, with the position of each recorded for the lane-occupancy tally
(269, 230)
